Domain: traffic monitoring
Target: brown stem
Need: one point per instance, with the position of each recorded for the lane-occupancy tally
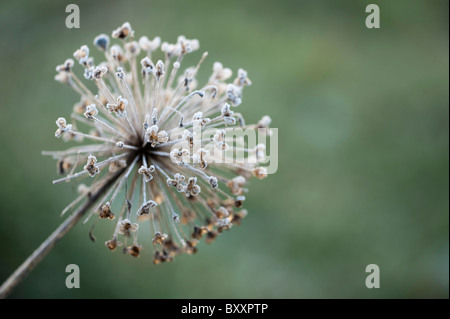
(28, 265)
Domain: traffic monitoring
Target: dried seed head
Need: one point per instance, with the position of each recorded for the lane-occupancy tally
(191, 246)
(130, 116)
(63, 127)
(119, 108)
(239, 201)
(146, 208)
(147, 172)
(64, 165)
(90, 166)
(199, 232)
(223, 224)
(148, 45)
(117, 53)
(234, 94)
(159, 238)
(177, 182)
(99, 71)
(106, 211)
(155, 137)
(147, 67)
(80, 107)
(89, 73)
(221, 212)
(132, 49)
(126, 227)
(219, 140)
(102, 42)
(171, 247)
(158, 71)
(220, 73)
(264, 122)
(112, 244)
(237, 218)
(64, 77)
(260, 152)
(66, 66)
(134, 250)
(169, 49)
(226, 110)
(260, 172)
(213, 182)
(189, 138)
(198, 120)
(91, 112)
(180, 156)
(192, 189)
(242, 79)
(187, 46)
(120, 144)
(82, 55)
(236, 185)
(123, 31)
(160, 257)
(200, 158)
(210, 237)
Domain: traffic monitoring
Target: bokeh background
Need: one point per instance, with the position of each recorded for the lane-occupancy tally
(363, 149)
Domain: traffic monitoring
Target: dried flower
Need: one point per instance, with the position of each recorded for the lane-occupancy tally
(142, 124)
(106, 211)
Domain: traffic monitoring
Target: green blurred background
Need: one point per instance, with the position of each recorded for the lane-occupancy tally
(363, 149)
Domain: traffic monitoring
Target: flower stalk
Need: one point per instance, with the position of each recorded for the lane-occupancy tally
(47, 245)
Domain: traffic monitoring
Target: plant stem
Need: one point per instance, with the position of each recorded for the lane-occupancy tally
(28, 265)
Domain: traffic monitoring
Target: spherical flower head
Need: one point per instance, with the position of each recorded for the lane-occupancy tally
(145, 121)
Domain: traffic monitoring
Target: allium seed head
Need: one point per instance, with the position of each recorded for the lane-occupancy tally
(145, 124)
